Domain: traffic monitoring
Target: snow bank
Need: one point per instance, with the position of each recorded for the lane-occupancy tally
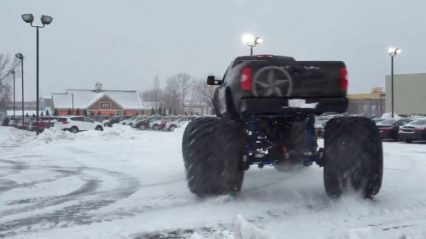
(54, 134)
(5, 134)
(117, 132)
(10, 135)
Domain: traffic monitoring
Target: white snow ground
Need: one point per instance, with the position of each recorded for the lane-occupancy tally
(124, 183)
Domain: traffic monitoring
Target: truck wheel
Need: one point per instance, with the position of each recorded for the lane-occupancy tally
(212, 150)
(353, 157)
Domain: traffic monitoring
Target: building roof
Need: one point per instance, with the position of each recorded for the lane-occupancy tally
(82, 99)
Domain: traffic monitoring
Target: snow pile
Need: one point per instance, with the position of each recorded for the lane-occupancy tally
(10, 135)
(117, 131)
(245, 230)
(6, 134)
(54, 134)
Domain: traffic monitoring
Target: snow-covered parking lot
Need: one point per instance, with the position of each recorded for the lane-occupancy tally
(124, 183)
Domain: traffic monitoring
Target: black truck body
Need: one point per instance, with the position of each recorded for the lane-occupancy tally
(265, 107)
(278, 85)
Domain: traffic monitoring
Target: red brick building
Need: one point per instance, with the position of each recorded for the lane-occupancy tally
(98, 102)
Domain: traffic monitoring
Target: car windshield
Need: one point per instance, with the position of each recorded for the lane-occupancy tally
(387, 122)
(418, 122)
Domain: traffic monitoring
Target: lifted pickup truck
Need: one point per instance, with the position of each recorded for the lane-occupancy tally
(265, 107)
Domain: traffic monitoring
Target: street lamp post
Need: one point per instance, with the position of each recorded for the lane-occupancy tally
(251, 41)
(393, 52)
(21, 58)
(14, 94)
(72, 102)
(45, 20)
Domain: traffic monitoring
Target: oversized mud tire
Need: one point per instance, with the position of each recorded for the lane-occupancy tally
(353, 157)
(212, 150)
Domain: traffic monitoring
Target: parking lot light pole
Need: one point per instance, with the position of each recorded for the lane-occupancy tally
(21, 58)
(45, 20)
(393, 52)
(14, 93)
(251, 41)
(72, 102)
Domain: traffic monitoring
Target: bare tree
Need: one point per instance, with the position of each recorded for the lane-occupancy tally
(157, 92)
(171, 94)
(184, 87)
(154, 95)
(5, 90)
(203, 93)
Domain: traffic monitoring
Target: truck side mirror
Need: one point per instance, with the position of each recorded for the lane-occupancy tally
(211, 80)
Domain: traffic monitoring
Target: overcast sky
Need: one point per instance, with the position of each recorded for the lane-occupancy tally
(125, 44)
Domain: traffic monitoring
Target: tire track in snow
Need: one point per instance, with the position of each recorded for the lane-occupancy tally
(85, 200)
(78, 204)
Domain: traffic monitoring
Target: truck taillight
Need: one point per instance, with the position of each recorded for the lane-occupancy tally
(344, 79)
(246, 78)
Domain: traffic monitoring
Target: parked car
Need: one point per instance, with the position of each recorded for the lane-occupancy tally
(144, 123)
(43, 123)
(133, 121)
(126, 121)
(76, 124)
(177, 123)
(389, 128)
(377, 119)
(415, 130)
(99, 118)
(112, 120)
(161, 123)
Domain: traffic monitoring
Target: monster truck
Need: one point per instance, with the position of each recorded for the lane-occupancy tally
(265, 107)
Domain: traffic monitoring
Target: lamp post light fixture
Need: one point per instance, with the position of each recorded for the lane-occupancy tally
(45, 20)
(393, 52)
(251, 41)
(21, 58)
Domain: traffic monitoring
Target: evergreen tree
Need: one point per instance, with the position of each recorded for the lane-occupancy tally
(55, 113)
(77, 112)
(85, 112)
(47, 113)
(152, 111)
(41, 113)
(69, 112)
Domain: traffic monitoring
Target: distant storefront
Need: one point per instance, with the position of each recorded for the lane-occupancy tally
(372, 103)
(98, 102)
